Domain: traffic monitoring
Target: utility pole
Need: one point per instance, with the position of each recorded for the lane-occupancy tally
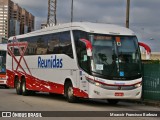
(127, 13)
(52, 7)
(72, 11)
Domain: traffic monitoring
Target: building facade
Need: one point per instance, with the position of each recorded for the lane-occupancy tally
(14, 20)
(31, 22)
(6, 7)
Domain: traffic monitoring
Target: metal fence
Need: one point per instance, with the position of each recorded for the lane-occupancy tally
(151, 81)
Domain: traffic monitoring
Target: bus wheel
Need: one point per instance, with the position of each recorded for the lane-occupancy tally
(25, 92)
(69, 93)
(18, 87)
(113, 101)
(6, 87)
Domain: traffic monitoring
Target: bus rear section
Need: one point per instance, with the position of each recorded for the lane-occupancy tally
(3, 77)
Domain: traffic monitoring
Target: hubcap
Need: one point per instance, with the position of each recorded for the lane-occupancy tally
(70, 92)
(23, 87)
(18, 85)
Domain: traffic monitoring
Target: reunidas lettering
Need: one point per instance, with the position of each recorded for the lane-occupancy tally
(53, 62)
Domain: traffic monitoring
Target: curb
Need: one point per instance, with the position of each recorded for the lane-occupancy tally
(145, 102)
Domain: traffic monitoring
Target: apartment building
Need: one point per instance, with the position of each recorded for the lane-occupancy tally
(14, 20)
(31, 22)
(6, 8)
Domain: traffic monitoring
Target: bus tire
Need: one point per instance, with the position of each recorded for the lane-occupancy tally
(53, 94)
(31, 92)
(113, 101)
(25, 92)
(18, 87)
(69, 93)
(6, 87)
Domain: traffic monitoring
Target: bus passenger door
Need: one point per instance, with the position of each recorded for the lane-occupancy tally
(84, 65)
(83, 81)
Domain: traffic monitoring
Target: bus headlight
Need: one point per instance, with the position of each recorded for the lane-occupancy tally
(97, 84)
(138, 85)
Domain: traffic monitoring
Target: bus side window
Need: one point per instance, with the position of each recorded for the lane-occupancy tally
(83, 59)
(65, 44)
(53, 44)
(32, 46)
(41, 45)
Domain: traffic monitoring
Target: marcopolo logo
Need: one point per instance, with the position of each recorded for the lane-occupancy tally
(53, 62)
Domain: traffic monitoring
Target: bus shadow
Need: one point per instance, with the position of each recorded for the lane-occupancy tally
(3, 87)
(80, 101)
(98, 103)
(50, 96)
(87, 102)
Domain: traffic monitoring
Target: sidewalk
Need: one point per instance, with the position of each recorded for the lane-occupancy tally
(146, 102)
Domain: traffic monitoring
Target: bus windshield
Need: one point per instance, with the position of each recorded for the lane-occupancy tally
(116, 57)
(2, 61)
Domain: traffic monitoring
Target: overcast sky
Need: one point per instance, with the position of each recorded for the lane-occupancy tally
(144, 15)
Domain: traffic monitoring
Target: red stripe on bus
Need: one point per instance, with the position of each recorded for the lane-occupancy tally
(111, 84)
(33, 83)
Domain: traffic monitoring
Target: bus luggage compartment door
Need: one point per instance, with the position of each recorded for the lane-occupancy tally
(83, 82)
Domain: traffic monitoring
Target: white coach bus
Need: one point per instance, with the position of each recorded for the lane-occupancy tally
(79, 60)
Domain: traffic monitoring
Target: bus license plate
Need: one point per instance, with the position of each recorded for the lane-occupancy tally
(119, 94)
(1, 81)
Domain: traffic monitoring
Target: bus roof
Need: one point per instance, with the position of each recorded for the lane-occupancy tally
(84, 26)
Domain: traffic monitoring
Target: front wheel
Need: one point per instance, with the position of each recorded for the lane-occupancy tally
(69, 93)
(113, 101)
(6, 87)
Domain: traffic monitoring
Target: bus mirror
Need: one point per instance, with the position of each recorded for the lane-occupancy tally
(88, 46)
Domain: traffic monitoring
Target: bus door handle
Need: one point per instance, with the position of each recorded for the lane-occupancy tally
(71, 72)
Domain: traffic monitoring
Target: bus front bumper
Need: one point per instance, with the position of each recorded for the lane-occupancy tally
(101, 93)
(3, 82)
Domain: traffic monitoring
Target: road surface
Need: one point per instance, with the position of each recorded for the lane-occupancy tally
(10, 101)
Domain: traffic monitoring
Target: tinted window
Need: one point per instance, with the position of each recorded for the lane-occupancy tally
(79, 35)
(42, 45)
(65, 44)
(16, 52)
(32, 46)
(83, 59)
(57, 43)
(2, 61)
(53, 43)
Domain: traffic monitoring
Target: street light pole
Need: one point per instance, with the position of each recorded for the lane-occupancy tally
(127, 13)
(72, 11)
